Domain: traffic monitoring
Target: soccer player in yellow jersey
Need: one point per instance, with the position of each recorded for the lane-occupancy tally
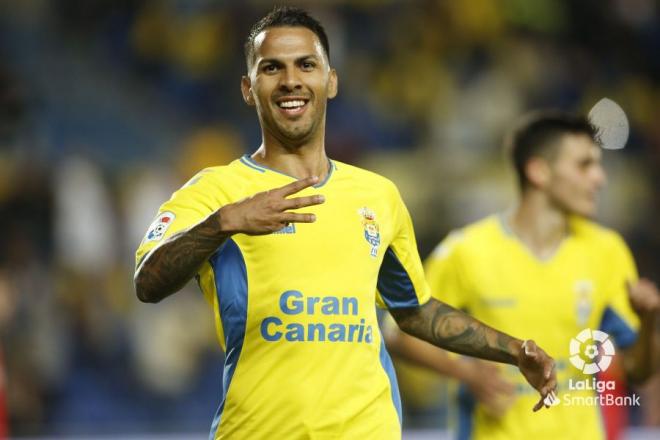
(293, 251)
(543, 269)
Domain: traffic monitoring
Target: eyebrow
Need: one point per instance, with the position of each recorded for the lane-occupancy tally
(278, 61)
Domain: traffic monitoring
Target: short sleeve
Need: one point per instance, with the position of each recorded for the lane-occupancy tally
(619, 319)
(401, 281)
(445, 272)
(188, 206)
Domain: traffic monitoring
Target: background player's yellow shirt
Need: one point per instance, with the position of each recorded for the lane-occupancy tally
(484, 269)
(296, 310)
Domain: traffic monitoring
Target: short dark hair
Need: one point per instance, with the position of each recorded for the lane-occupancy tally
(539, 134)
(285, 16)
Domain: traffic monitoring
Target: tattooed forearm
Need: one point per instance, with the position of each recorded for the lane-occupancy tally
(453, 330)
(171, 265)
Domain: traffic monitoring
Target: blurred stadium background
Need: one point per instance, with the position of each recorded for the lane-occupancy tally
(107, 106)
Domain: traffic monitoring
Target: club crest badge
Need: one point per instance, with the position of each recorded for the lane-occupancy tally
(584, 300)
(371, 231)
(159, 226)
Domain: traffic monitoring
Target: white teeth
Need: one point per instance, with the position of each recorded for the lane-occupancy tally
(291, 104)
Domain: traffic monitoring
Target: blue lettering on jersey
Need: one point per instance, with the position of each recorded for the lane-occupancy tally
(293, 302)
(267, 335)
(289, 229)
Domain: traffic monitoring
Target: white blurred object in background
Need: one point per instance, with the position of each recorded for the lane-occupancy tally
(84, 217)
(611, 122)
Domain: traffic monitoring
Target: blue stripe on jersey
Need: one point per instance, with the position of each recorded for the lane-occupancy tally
(247, 161)
(466, 404)
(615, 326)
(231, 287)
(386, 362)
(394, 284)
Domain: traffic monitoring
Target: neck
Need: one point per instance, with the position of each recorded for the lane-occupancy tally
(301, 159)
(539, 224)
(300, 162)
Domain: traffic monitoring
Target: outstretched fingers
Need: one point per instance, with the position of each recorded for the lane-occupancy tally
(539, 404)
(547, 400)
(294, 217)
(284, 205)
(297, 186)
(302, 202)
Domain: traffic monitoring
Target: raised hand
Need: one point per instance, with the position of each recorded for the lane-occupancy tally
(169, 266)
(269, 211)
(539, 370)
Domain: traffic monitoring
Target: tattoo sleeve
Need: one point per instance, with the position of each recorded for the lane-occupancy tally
(168, 267)
(453, 330)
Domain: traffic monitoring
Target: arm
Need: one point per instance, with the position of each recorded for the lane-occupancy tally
(171, 265)
(448, 328)
(453, 330)
(482, 378)
(168, 267)
(425, 355)
(641, 360)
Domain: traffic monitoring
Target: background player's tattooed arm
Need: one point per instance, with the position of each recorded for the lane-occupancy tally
(453, 330)
(168, 267)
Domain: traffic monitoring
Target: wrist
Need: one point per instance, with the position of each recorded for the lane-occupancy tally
(224, 218)
(516, 348)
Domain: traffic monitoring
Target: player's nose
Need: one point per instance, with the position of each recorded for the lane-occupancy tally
(290, 80)
(599, 177)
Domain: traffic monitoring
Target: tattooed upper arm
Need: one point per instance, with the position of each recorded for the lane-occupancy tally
(168, 267)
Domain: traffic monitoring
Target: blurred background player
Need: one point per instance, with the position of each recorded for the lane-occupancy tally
(544, 262)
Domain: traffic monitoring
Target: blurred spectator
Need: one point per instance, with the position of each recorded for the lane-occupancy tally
(85, 218)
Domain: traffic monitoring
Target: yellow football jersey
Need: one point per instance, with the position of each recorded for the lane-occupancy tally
(295, 311)
(485, 269)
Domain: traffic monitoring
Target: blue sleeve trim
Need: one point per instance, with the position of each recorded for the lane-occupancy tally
(395, 286)
(231, 287)
(617, 328)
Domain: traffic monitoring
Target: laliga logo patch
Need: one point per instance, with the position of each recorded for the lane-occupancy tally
(591, 351)
(159, 226)
(371, 232)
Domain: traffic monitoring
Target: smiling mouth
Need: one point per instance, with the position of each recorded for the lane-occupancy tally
(293, 107)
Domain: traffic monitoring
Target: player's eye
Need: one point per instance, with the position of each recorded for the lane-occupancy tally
(584, 164)
(269, 68)
(307, 65)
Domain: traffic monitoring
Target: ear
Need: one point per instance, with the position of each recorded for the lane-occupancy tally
(246, 90)
(333, 84)
(538, 172)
